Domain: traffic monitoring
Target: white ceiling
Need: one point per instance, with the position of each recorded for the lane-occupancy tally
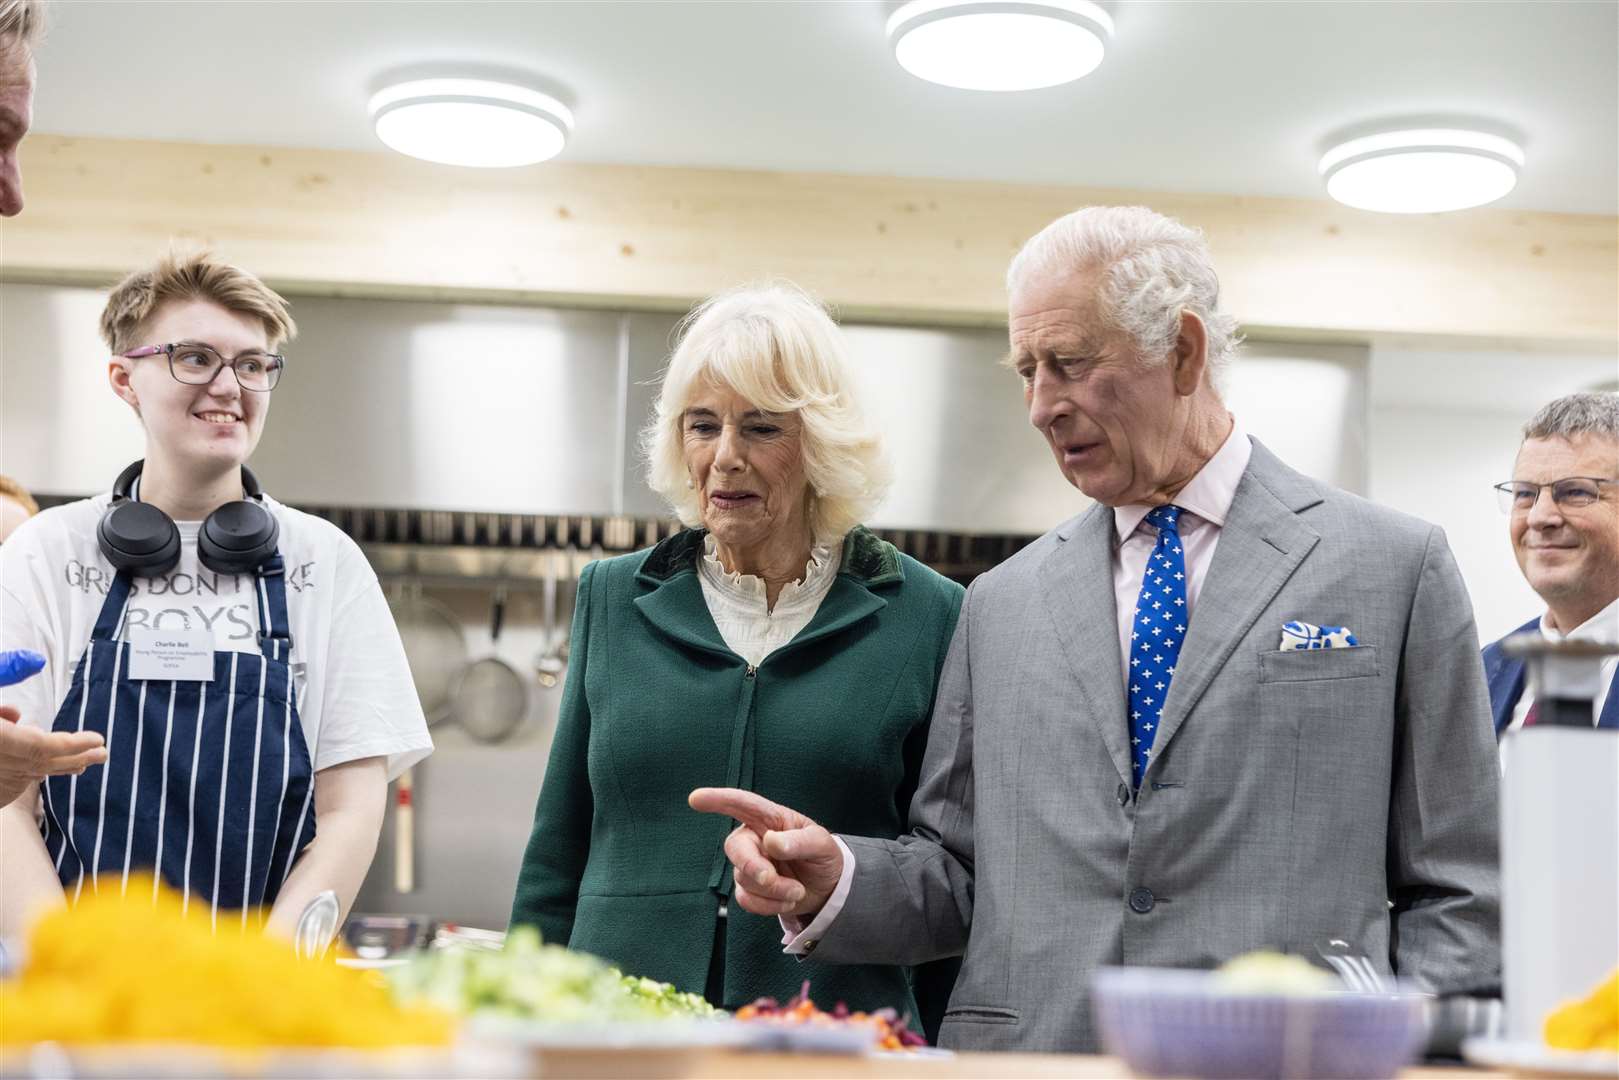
(1219, 97)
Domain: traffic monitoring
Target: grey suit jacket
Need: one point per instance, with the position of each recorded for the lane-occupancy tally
(1292, 797)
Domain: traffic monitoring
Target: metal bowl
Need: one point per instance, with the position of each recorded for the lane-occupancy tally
(382, 937)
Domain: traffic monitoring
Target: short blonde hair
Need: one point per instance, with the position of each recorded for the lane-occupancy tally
(18, 494)
(777, 347)
(195, 276)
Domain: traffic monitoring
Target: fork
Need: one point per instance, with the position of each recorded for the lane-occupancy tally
(1356, 969)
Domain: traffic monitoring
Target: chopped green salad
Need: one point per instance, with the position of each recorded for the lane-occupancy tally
(528, 980)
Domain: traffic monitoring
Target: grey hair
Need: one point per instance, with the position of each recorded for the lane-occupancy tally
(1588, 413)
(22, 21)
(1154, 269)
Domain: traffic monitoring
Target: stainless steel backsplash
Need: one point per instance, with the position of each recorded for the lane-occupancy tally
(538, 411)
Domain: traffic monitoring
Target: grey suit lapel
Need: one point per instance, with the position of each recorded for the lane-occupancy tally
(1078, 575)
(1261, 544)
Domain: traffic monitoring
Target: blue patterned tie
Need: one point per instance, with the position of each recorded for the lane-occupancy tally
(1155, 639)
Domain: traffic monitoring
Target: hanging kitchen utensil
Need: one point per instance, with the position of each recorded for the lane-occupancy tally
(572, 568)
(573, 564)
(548, 665)
(492, 699)
(405, 832)
(434, 647)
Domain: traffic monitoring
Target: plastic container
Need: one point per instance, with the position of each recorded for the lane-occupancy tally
(1167, 1022)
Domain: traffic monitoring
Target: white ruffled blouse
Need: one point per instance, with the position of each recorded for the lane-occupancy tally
(737, 602)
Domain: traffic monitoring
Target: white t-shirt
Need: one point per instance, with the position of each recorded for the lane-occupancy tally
(354, 690)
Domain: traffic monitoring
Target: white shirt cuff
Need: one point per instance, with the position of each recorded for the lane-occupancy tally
(800, 940)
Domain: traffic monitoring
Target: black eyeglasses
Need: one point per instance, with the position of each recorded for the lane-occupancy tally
(1570, 493)
(198, 365)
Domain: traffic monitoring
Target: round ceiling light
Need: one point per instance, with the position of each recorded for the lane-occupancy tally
(1422, 171)
(999, 44)
(470, 122)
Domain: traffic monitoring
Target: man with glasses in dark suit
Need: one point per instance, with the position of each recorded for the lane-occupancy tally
(1563, 511)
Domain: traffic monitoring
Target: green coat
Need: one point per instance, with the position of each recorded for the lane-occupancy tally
(833, 724)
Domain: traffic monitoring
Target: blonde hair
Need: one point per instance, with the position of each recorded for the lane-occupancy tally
(22, 22)
(19, 494)
(777, 347)
(195, 276)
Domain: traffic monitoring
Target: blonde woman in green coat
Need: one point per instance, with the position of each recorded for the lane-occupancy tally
(775, 635)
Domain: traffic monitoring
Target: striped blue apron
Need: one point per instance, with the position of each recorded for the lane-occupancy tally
(210, 784)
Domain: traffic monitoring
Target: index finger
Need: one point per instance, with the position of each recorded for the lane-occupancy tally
(752, 810)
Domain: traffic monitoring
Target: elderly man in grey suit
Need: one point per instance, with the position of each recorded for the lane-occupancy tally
(1225, 708)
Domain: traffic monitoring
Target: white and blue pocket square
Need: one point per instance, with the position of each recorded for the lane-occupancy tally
(1303, 635)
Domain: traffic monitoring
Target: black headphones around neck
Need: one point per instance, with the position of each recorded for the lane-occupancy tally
(140, 538)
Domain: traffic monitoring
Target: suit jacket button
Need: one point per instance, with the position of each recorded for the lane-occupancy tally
(1124, 795)
(1141, 901)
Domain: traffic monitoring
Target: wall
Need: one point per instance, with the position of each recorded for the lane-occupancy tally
(474, 801)
(1445, 426)
(887, 249)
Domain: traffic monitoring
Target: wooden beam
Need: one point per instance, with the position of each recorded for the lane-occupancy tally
(377, 224)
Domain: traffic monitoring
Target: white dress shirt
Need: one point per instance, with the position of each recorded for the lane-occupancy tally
(1603, 627)
(1205, 501)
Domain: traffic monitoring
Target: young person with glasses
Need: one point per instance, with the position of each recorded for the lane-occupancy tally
(1562, 508)
(236, 656)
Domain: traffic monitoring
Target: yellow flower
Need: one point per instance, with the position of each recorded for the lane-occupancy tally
(1591, 1024)
(131, 967)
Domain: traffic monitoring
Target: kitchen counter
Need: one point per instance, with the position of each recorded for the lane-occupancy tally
(498, 1060)
(731, 1065)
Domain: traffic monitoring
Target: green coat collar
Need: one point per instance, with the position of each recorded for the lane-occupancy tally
(674, 601)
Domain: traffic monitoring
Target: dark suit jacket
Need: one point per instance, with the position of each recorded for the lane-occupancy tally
(1506, 676)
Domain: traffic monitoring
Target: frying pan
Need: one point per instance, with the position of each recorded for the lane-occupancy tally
(434, 647)
(492, 698)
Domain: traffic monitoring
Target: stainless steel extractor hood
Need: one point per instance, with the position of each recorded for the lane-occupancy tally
(536, 411)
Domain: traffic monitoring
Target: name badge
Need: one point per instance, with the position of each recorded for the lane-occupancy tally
(182, 655)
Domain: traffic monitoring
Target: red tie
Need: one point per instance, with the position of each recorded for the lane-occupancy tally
(1533, 714)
